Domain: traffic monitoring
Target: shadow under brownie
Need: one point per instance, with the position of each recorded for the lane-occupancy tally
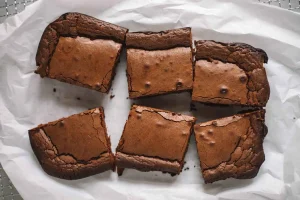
(74, 147)
(159, 62)
(80, 50)
(231, 147)
(154, 140)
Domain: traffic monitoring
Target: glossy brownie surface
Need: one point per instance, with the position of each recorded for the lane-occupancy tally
(231, 147)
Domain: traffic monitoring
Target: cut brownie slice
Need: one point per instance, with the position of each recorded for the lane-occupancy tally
(230, 73)
(80, 50)
(159, 62)
(231, 147)
(73, 147)
(154, 140)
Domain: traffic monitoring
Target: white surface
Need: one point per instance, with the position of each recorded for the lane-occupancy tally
(26, 100)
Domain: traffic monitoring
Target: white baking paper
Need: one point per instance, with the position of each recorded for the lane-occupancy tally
(27, 100)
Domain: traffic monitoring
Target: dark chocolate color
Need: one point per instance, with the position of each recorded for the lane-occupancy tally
(159, 63)
(237, 66)
(154, 140)
(77, 35)
(74, 147)
(231, 147)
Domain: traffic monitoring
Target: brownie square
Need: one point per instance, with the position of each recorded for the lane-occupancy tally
(159, 62)
(230, 73)
(154, 140)
(231, 147)
(80, 50)
(74, 147)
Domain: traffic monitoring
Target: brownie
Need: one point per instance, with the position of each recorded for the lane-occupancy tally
(80, 50)
(154, 140)
(231, 147)
(159, 62)
(74, 147)
(230, 73)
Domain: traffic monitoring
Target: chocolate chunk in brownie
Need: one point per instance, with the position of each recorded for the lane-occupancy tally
(230, 73)
(159, 62)
(154, 140)
(74, 147)
(231, 147)
(80, 50)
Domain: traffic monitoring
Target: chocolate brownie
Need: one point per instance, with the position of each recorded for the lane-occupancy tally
(80, 50)
(159, 62)
(154, 140)
(230, 73)
(231, 147)
(74, 147)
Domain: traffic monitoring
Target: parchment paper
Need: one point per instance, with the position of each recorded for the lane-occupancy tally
(27, 100)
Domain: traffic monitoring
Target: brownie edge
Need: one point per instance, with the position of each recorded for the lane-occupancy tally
(154, 140)
(235, 72)
(58, 153)
(181, 37)
(74, 25)
(231, 147)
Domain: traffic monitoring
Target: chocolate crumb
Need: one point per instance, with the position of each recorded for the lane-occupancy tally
(112, 96)
(194, 166)
(192, 107)
(78, 98)
(127, 97)
(54, 89)
(172, 174)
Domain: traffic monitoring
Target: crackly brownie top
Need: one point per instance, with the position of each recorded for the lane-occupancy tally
(231, 145)
(230, 73)
(73, 25)
(82, 136)
(160, 40)
(88, 62)
(156, 133)
(159, 72)
(217, 81)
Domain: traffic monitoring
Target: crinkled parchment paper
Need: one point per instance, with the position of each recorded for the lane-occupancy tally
(26, 100)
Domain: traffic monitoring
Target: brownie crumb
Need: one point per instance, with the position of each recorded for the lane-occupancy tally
(192, 107)
(112, 96)
(187, 168)
(194, 166)
(184, 162)
(54, 89)
(294, 117)
(78, 98)
(127, 97)
(172, 174)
